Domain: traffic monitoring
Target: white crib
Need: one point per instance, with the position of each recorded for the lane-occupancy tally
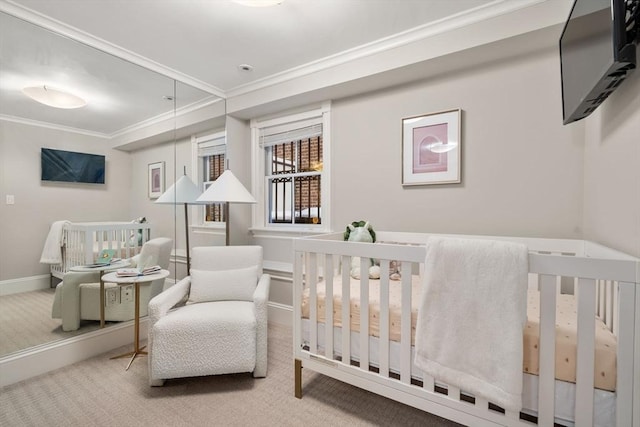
(83, 241)
(606, 287)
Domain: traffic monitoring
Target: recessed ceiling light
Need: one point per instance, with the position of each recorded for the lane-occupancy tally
(258, 3)
(54, 97)
(245, 67)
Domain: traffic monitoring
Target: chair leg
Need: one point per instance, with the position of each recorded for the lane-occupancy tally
(298, 378)
(156, 383)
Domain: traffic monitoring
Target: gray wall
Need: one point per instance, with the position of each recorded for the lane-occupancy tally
(522, 170)
(24, 225)
(612, 170)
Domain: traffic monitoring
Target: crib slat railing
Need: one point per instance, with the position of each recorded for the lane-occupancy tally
(78, 256)
(70, 245)
(547, 350)
(298, 277)
(453, 392)
(312, 282)
(384, 318)
(405, 323)
(328, 301)
(608, 317)
(88, 243)
(364, 313)
(68, 250)
(626, 396)
(346, 311)
(428, 383)
(98, 238)
(615, 325)
(607, 304)
(585, 292)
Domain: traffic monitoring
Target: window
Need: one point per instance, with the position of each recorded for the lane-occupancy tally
(291, 153)
(210, 152)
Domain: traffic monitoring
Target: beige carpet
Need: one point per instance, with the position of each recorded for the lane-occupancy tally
(99, 392)
(25, 321)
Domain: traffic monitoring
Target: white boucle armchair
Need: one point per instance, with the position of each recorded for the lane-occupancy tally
(222, 327)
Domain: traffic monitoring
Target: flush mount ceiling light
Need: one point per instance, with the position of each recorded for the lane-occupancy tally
(53, 97)
(258, 3)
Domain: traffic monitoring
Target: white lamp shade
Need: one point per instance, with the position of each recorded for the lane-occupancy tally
(182, 191)
(227, 188)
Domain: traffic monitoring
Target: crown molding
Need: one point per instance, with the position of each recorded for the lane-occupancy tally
(472, 16)
(180, 112)
(59, 27)
(53, 126)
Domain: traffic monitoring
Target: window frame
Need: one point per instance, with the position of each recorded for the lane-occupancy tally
(217, 139)
(260, 217)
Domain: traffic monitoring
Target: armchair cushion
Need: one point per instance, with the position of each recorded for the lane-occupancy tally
(223, 285)
(205, 339)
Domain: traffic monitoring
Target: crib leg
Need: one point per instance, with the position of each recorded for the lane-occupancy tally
(298, 378)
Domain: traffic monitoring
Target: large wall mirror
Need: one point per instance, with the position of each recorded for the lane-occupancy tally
(133, 116)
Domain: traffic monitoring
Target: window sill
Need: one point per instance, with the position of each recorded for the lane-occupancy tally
(208, 228)
(286, 232)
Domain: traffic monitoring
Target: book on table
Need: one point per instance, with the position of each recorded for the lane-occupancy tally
(134, 272)
(151, 270)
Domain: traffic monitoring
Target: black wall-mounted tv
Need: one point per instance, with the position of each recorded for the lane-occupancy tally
(597, 51)
(69, 166)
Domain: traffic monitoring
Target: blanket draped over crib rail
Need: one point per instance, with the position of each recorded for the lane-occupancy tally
(52, 251)
(471, 317)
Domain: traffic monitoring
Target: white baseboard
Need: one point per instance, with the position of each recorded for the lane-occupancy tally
(38, 360)
(48, 357)
(25, 284)
(280, 314)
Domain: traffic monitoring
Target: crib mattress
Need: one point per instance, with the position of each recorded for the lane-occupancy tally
(604, 402)
(566, 336)
(123, 252)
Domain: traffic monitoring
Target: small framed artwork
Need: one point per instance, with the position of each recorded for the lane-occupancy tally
(156, 179)
(431, 149)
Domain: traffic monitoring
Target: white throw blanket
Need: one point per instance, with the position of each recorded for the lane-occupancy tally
(52, 251)
(471, 317)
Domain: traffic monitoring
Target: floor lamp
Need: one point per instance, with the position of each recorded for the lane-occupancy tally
(226, 189)
(183, 191)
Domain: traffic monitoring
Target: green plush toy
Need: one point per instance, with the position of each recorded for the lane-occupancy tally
(361, 231)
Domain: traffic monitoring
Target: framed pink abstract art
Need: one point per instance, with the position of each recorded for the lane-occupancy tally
(431, 148)
(156, 180)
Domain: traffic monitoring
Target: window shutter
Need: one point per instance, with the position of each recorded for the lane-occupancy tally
(212, 147)
(290, 132)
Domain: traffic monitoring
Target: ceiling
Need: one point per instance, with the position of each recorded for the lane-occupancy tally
(199, 42)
